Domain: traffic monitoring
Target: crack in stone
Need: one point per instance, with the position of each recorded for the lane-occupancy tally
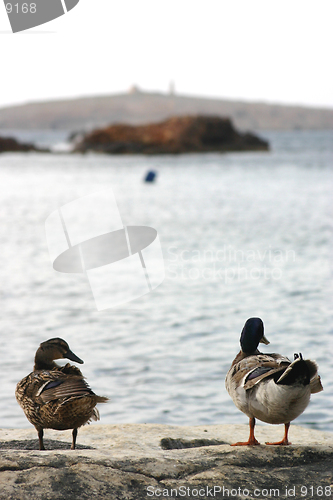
(169, 443)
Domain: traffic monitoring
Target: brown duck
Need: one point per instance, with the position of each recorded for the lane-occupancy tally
(57, 397)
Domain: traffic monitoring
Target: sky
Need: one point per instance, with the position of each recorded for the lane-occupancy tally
(254, 50)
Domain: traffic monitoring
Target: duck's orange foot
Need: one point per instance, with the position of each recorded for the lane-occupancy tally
(284, 442)
(250, 442)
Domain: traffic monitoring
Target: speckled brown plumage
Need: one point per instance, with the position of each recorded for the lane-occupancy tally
(57, 397)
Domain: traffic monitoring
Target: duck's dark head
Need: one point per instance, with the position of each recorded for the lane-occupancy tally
(53, 349)
(252, 334)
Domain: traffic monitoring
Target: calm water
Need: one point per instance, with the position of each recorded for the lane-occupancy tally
(242, 235)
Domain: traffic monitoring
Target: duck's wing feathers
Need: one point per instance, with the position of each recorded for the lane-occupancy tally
(253, 369)
(278, 358)
(63, 388)
(281, 369)
(69, 369)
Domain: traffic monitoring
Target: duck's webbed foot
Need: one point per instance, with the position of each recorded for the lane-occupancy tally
(252, 440)
(284, 441)
(40, 439)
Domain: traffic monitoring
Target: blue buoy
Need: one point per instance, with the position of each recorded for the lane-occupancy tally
(150, 176)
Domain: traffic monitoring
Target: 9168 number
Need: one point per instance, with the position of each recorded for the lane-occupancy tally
(319, 491)
(24, 8)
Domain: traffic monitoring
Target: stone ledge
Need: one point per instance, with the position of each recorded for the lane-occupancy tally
(122, 461)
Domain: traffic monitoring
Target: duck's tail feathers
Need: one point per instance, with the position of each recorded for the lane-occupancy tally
(95, 412)
(101, 399)
(315, 385)
(94, 416)
(302, 372)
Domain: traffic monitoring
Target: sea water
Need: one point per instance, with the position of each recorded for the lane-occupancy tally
(242, 234)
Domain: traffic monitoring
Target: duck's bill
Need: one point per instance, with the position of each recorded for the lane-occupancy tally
(70, 355)
(264, 340)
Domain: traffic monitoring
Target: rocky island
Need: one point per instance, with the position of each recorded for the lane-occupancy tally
(140, 461)
(183, 134)
(9, 144)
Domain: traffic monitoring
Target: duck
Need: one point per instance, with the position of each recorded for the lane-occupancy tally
(57, 397)
(269, 387)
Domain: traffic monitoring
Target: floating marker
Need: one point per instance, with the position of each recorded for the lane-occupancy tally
(150, 176)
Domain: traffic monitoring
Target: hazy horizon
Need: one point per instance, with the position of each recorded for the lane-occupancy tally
(165, 93)
(254, 51)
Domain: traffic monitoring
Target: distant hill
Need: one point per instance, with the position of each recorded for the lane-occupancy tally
(138, 107)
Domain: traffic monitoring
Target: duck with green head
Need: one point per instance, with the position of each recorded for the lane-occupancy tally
(269, 387)
(57, 397)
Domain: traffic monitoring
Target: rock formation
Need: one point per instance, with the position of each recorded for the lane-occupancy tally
(141, 461)
(9, 144)
(186, 134)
